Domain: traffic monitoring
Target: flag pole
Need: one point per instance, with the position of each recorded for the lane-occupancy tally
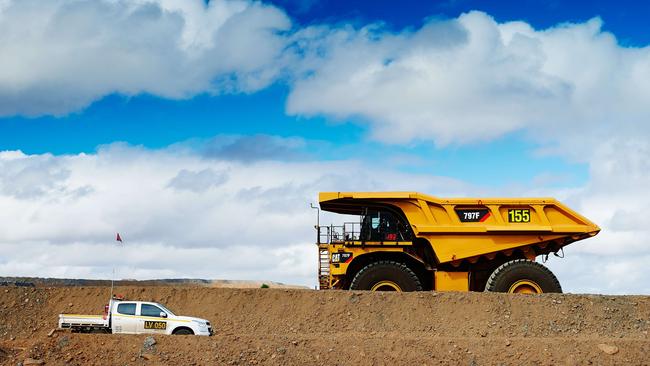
(118, 238)
(112, 280)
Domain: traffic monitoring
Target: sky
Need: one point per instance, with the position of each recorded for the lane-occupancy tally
(202, 130)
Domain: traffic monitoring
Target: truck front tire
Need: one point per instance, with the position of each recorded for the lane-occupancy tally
(523, 276)
(386, 275)
(182, 331)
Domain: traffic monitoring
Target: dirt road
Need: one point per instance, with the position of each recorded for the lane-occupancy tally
(275, 326)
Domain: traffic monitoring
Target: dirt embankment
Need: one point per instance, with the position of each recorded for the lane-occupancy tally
(274, 326)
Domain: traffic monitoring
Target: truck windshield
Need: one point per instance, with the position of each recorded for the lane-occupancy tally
(380, 225)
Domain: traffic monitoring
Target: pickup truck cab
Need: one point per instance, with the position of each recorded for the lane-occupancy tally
(136, 317)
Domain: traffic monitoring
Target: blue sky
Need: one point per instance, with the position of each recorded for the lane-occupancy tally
(456, 97)
(627, 18)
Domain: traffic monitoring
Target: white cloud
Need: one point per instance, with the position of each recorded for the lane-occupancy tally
(26, 177)
(473, 79)
(252, 148)
(197, 181)
(59, 56)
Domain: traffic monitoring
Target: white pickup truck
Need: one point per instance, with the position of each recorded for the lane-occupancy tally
(135, 317)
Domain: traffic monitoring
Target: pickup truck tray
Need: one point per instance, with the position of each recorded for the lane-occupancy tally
(79, 320)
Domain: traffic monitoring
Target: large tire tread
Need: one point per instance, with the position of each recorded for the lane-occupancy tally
(386, 265)
(512, 270)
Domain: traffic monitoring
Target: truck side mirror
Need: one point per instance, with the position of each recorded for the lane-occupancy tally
(163, 314)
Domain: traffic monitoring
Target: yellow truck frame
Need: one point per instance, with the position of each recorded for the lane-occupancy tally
(408, 241)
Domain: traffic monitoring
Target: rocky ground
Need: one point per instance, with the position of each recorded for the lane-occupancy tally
(282, 326)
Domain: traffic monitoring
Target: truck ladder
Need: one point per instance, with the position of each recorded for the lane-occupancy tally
(323, 267)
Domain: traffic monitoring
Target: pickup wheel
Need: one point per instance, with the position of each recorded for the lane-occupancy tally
(522, 276)
(182, 331)
(386, 276)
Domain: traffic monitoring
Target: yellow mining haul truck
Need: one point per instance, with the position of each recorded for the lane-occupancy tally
(408, 241)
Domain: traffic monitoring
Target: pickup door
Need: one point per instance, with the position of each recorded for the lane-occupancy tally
(150, 320)
(124, 319)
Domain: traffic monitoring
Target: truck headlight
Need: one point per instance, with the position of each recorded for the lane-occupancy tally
(201, 324)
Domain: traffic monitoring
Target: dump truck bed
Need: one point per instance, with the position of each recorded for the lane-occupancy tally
(468, 228)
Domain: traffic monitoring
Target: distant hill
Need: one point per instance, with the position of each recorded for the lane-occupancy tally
(61, 282)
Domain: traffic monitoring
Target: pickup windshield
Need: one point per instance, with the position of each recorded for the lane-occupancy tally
(169, 312)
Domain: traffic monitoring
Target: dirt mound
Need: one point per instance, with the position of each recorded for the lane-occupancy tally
(273, 326)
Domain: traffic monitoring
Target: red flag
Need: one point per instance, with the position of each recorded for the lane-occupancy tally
(119, 238)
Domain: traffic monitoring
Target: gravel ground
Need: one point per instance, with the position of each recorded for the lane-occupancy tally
(277, 326)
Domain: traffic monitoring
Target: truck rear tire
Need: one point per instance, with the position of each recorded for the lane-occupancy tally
(523, 276)
(386, 276)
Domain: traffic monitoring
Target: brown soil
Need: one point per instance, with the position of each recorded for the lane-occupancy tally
(274, 326)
